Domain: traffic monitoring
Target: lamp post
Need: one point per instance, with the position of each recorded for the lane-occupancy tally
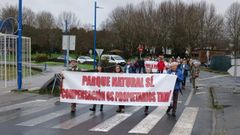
(95, 34)
(19, 46)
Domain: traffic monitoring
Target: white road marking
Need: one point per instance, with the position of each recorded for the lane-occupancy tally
(46, 117)
(80, 119)
(213, 77)
(115, 120)
(198, 93)
(189, 98)
(148, 123)
(186, 122)
(21, 105)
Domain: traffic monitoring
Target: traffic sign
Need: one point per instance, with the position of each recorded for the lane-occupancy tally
(99, 52)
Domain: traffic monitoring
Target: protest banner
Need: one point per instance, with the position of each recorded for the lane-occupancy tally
(117, 88)
(153, 65)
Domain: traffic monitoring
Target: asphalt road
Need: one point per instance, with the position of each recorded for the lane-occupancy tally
(44, 116)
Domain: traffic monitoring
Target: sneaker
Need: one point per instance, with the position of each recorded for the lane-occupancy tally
(118, 110)
(123, 110)
(92, 109)
(101, 109)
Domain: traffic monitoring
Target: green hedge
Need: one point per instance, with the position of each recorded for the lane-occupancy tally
(41, 58)
(220, 63)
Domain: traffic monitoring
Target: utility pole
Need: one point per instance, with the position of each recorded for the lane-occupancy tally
(19, 46)
(95, 35)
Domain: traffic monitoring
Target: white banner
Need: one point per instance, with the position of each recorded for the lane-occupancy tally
(153, 65)
(117, 88)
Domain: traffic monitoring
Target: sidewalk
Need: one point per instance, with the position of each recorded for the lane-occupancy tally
(37, 81)
(226, 93)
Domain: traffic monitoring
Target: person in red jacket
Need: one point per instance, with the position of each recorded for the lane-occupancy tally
(161, 64)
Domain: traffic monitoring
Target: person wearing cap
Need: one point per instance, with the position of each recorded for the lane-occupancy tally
(99, 70)
(195, 73)
(161, 64)
(177, 88)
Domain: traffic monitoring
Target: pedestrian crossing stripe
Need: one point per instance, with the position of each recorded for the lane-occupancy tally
(149, 122)
(115, 120)
(183, 126)
(79, 119)
(186, 122)
(47, 117)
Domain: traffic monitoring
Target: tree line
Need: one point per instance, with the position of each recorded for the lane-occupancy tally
(172, 25)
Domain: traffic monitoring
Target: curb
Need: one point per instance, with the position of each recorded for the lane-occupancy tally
(214, 97)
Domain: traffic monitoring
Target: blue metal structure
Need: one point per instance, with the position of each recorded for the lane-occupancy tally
(95, 34)
(65, 51)
(19, 47)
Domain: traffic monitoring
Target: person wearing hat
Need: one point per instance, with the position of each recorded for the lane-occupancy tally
(195, 73)
(177, 88)
(99, 70)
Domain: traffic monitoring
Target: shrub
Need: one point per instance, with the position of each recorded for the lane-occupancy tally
(41, 58)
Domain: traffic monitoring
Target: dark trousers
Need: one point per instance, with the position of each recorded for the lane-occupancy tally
(94, 106)
(141, 69)
(175, 101)
(184, 81)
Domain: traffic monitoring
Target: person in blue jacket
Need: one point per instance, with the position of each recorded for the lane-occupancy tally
(185, 69)
(177, 88)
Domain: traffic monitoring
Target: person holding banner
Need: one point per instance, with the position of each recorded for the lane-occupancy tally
(74, 67)
(99, 70)
(177, 88)
(121, 108)
(148, 71)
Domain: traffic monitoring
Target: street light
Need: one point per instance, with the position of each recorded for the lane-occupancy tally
(19, 46)
(95, 33)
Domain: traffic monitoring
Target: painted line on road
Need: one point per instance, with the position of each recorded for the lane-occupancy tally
(115, 120)
(189, 97)
(47, 117)
(21, 105)
(38, 108)
(186, 122)
(213, 77)
(199, 93)
(80, 119)
(148, 123)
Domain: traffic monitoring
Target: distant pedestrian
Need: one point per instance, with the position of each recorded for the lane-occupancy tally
(99, 70)
(184, 68)
(161, 64)
(177, 88)
(195, 73)
(141, 64)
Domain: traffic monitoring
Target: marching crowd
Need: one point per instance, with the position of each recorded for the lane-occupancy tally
(182, 68)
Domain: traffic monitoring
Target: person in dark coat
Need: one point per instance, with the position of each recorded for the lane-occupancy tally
(99, 70)
(177, 88)
(185, 69)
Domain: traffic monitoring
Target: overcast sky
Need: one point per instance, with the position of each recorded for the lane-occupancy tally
(84, 8)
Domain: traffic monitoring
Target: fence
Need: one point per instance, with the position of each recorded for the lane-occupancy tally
(8, 60)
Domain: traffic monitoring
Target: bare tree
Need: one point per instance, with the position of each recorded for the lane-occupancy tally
(71, 19)
(233, 24)
(29, 17)
(45, 20)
